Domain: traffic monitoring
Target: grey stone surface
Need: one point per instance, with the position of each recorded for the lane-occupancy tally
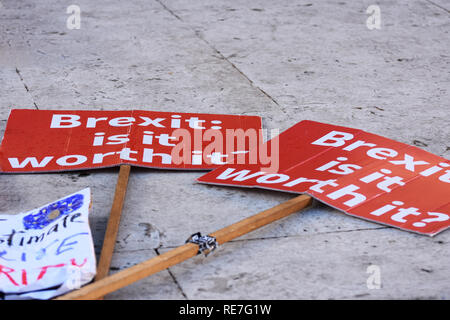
(283, 60)
(319, 61)
(159, 286)
(321, 266)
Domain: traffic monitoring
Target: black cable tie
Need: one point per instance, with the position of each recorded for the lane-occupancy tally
(206, 244)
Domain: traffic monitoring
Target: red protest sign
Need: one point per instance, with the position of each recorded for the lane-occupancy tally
(362, 174)
(48, 140)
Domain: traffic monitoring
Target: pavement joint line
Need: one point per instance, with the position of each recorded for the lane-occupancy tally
(302, 235)
(156, 251)
(222, 57)
(268, 238)
(174, 280)
(440, 7)
(26, 87)
(23, 81)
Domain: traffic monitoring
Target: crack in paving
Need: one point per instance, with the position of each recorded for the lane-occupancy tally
(168, 269)
(174, 279)
(271, 238)
(436, 5)
(26, 88)
(23, 81)
(222, 57)
(296, 236)
(302, 235)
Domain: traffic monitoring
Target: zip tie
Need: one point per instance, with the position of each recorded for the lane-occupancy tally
(206, 244)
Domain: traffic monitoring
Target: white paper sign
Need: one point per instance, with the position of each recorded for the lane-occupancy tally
(48, 251)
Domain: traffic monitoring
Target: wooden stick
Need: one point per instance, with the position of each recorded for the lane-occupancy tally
(144, 269)
(113, 223)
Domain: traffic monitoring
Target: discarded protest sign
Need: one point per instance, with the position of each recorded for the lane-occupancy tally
(362, 174)
(47, 251)
(50, 140)
(357, 172)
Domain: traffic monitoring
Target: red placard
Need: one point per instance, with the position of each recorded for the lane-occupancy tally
(50, 140)
(362, 174)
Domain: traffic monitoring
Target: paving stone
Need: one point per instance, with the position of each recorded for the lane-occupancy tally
(337, 265)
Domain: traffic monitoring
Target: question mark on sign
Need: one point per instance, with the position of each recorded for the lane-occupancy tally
(439, 217)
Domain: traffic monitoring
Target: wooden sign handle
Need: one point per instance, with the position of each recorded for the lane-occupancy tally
(112, 227)
(144, 269)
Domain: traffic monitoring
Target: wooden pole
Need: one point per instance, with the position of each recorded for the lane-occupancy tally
(112, 227)
(144, 269)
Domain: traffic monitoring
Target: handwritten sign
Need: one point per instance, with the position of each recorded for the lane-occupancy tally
(362, 174)
(47, 140)
(47, 251)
